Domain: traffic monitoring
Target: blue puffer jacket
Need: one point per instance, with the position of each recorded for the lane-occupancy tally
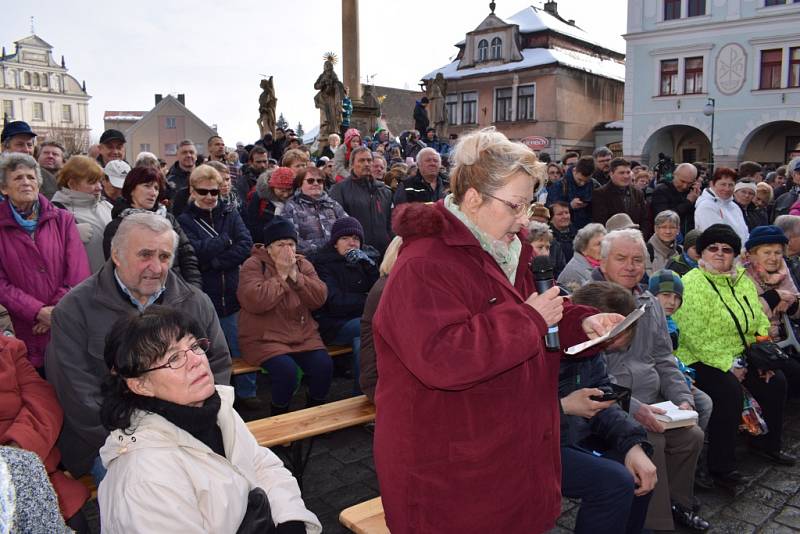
(222, 243)
(611, 430)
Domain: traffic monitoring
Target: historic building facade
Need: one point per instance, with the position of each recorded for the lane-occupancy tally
(697, 65)
(536, 77)
(38, 90)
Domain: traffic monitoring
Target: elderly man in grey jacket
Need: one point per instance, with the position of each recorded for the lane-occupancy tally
(649, 368)
(137, 275)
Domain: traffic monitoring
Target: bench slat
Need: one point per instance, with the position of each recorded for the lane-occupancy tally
(365, 518)
(241, 367)
(294, 426)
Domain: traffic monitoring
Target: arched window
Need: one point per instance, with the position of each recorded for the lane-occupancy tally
(483, 50)
(27, 78)
(45, 80)
(36, 79)
(497, 48)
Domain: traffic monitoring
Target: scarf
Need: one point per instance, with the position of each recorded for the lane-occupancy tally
(765, 278)
(592, 262)
(199, 421)
(26, 219)
(732, 273)
(689, 261)
(505, 255)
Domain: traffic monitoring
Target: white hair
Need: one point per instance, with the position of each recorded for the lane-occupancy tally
(146, 220)
(629, 234)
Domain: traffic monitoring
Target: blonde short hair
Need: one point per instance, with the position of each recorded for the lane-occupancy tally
(290, 157)
(204, 173)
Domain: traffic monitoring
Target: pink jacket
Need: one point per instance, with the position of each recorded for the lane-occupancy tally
(37, 272)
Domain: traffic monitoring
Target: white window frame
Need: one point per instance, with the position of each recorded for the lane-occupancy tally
(462, 120)
(454, 119)
(170, 120)
(784, 42)
(510, 103)
(33, 111)
(499, 47)
(684, 13)
(516, 96)
(478, 58)
(681, 53)
(68, 109)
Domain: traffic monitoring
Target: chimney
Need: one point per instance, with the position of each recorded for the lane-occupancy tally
(182, 98)
(159, 97)
(551, 7)
(63, 65)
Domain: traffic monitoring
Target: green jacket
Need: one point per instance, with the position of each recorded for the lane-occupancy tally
(707, 332)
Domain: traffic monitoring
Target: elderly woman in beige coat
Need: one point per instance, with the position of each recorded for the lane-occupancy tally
(179, 458)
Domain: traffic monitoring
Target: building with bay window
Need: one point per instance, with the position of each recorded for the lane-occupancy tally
(536, 77)
(38, 90)
(693, 66)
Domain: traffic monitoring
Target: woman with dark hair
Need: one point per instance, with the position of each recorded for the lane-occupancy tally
(716, 205)
(312, 211)
(144, 188)
(179, 458)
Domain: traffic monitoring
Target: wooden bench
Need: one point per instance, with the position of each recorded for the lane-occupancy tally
(241, 367)
(365, 518)
(295, 428)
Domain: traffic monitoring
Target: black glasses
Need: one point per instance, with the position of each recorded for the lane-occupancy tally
(204, 192)
(716, 248)
(518, 209)
(312, 181)
(179, 359)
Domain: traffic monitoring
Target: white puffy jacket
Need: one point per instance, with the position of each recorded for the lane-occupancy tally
(710, 209)
(161, 479)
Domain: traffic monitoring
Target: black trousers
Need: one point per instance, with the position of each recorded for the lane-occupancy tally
(723, 427)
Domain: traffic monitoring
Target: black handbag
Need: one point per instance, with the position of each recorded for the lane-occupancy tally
(764, 355)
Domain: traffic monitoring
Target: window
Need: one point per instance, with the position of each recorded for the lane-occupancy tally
(483, 50)
(497, 48)
(36, 79)
(502, 104)
(669, 77)
(768, 3)
(170, 123)
(45, 80)
(771, 69)
(693, 75)
(170, 149)
(696, 8)
(469, 108)
(452, 109)
(27, 78)
(525, 102)
(794, 67)
(8, 109)
(66, 113)
(144, 147)
(672, 9)
(38, 111)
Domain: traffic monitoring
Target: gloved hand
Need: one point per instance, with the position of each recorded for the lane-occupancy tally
(86, 232)
(356, 255)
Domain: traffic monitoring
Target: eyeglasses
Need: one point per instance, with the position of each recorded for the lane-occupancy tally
(716, 248)
(312, 181)
(518, 209)
(205, 192)
(179, 359)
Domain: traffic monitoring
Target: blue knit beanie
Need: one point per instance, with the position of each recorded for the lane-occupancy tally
(666, 281)
(765, 235)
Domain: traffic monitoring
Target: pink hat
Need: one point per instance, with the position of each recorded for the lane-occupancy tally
(350, 134)
(282, 177)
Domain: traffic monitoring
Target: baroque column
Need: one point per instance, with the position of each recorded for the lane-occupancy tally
(350, 49)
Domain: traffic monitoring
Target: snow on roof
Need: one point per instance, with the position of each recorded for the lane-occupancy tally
(533, 19)
(311, 135)
(123, 115)
(535, 57)
(615, 125)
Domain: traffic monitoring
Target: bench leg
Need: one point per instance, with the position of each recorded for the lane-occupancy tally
(297, 458)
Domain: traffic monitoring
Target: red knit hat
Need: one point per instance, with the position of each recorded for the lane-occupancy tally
(282, 177)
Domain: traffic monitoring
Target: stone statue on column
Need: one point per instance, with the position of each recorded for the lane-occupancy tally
(266, 107)
(329, 97)
(436, 91)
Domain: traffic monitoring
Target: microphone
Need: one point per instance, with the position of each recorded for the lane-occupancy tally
(543, 276)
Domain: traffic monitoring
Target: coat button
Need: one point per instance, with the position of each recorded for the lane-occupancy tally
(42, 269)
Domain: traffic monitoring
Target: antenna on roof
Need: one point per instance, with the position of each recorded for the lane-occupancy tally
(33, 31)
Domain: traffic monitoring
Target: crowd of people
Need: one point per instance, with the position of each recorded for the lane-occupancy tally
(125, 290)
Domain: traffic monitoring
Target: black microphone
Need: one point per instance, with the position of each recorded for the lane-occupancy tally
(543, 276)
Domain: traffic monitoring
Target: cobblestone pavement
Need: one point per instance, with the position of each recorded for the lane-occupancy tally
(341, 473)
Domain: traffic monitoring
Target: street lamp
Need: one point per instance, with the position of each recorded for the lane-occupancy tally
(708, 111)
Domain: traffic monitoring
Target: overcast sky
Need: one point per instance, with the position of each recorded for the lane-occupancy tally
(216, 52)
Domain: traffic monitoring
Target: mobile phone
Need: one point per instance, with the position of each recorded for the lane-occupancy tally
(613, 395)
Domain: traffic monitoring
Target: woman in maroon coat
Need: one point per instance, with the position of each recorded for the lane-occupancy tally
(467, 430)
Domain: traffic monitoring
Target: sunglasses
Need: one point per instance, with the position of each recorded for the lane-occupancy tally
(312, 181)
(715, 248)
(205, 192)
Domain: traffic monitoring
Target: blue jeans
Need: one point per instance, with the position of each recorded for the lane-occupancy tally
(282, 369)
(350, 334)
(243, 385)
(605, 488)
(98, 471)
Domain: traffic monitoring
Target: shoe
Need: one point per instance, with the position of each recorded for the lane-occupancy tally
(250, 403)
(688, 518)
(776, 457)
(730, 479)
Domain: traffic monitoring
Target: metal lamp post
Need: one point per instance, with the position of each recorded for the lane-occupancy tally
(708, 111)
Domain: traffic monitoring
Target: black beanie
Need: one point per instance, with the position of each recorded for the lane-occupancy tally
(719, 233)
(277, 229)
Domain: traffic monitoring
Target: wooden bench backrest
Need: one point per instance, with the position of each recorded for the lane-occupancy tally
(365, 518)
(240, 367)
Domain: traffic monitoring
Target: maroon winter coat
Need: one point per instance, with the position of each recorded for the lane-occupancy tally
(467, 430)
(37, 272)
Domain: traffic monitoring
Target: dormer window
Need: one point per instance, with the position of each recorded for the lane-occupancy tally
(497, 48)
(483, 50)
